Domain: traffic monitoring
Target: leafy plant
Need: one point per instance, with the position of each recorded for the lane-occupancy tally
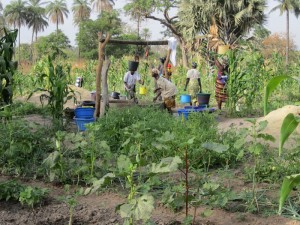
(70, 199)
(55, 82)
(289, 124)
(271, 86)
(12, 190)
(7, 66)
(32, 195)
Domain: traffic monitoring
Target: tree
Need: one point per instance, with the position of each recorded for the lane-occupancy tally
(103, 5)
(146, 34)
(87, 38)
(36, 17)
(81, 12)
(287, 6)
(149, 9)
(276, 43)
(137, 9)
(2, 21)
(56, 10)
(53, 45)
(232, 18)
(16, 14)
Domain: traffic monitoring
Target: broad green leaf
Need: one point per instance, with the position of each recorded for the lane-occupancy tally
(144, 207)
(256, 149)
(239, 143)
(288, 184)
(166, 165)
(266, 137)
(123, 164)
(51, 160)
(272, 84)
(97, 184)
(289, 124)
(126, 210)
(166, 137)
(207, 213)
(262, 125)
(251, 120)
(216, 147)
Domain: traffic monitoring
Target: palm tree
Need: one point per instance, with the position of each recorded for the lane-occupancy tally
(36, 18)
(287, 6)
(102, 5)
(81, 12)
(56, 10)
(16, 14)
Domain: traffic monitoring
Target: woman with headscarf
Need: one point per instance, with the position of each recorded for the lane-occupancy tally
(222, 77)
(166, 89)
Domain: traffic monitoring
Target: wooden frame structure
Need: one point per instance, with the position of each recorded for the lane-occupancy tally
(102, 68)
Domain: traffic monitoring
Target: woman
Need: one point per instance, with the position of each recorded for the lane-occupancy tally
(193, 77)
(223, 71)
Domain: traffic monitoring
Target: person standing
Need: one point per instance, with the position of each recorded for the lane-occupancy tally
(130, 79)
(166, 89)
(193, 76)
(221, 80)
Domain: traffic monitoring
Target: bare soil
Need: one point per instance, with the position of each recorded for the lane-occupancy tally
(100, 209)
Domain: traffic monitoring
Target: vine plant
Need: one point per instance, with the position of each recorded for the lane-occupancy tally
(7, 66)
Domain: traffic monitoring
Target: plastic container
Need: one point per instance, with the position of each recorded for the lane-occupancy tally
(90, 104)
(185, 98)
(79, 82)
(82, 112)
(184, 112)
(203, 99)
(81, 122)
(222, 49)
(132, 65)
(143, 90)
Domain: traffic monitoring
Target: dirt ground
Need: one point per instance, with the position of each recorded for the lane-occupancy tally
(100, 209)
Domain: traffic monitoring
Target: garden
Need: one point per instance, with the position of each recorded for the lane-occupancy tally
(137, 164)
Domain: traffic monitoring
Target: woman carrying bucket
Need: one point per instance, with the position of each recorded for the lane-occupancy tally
(130, 79)
(221, 91)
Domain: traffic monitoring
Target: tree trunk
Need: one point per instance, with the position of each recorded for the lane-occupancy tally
(287, 38)
(184, 55)
(138, 26)
(105, 98)
(31, 50)
(19, 59)
(56, 26)
(101, 47)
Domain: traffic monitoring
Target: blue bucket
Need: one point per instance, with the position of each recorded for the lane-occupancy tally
(82, 112)
(81, 122)
(185, 98)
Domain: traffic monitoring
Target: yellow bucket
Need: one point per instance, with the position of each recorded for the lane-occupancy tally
(222, 49)
(143, 90)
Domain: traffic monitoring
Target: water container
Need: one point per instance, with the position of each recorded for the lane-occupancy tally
(185, 98)
(79, 82)
(132, 65)
(203, 99)
(222, 49)
(143, 90)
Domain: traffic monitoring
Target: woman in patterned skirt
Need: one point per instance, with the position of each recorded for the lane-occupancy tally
(222, 77)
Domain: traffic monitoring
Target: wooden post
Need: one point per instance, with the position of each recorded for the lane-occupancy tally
(105, 97)
(101, 47)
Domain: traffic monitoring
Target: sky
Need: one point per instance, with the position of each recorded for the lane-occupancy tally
(275, 23)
